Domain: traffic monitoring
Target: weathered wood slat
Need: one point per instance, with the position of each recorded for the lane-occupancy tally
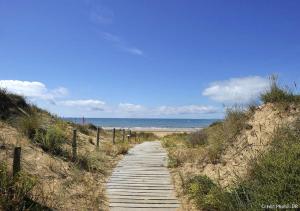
(172, 205)
(141, 181)
(145, 201)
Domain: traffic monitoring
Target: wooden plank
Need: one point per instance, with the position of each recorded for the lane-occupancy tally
(110, 185)
(144, 205)
(143, 197)
(141, 181)
(145, 201)
(140, 209)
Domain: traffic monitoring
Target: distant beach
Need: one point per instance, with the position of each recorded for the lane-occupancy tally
(147, 124)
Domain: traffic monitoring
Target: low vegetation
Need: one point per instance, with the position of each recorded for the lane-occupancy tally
(14, 191)
(93, 162)
(273, 179)
(277, 94)
(50, 140)
(213, 139)
(272, 172)
(59, 182)
(12, 105)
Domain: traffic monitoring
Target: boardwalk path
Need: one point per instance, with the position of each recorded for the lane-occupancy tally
(141, 181)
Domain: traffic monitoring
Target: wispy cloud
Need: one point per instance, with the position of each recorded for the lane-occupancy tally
(237, 90)
(137, 109)
(186, 109)
(120, 44)
(90, 104)
(131, 108)
(133, 50)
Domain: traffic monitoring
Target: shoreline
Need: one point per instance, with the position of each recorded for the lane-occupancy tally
(155, 129)
(158, 131)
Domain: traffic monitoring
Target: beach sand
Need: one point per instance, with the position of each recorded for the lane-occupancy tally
(160, 132)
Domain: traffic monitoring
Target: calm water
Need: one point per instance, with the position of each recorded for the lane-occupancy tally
(145, 123)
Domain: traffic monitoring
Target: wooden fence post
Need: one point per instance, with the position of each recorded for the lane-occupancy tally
(123, 135)
(17, 161)
(135, 136)
(74, 145)
(98, 136)
(114, 135)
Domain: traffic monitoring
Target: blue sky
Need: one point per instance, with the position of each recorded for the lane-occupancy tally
(142, 58)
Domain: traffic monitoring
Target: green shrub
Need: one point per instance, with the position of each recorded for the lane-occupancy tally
(147, 136)
(197, 138)
(93, 162)
(91, 126)
(83, 129)
(221, 134)
(206, 194)
(14, 190)
(173, 160)
(234, 123)
(277, 94)
(122, 148)
(51, 139)
(29, 124)
(216, 123)
(175, 139)
(273, 179)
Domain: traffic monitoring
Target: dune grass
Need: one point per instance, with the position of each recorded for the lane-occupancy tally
(277, 94)
(273, 179)
(14, 191)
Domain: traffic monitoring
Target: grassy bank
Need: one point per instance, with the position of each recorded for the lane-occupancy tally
(248, 161)
(50, 177)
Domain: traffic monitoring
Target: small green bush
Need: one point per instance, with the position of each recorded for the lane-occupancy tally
(197, 138)
(91, 126)
(235, 121)
(83, 129)
(216, 123)
(122, 148)
(221, 134)
(206, 194)
(276, 94)
(29, 124)
(14, 190)
(147, 136)
(172, 140)
(51, 139)
(93, 162)
(173, 160)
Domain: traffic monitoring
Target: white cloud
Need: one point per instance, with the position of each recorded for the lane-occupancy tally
(95, 105)
(120, 44)
(187, 109)
(237, 90)
(130, 108)
(32, 89)
(165, 110)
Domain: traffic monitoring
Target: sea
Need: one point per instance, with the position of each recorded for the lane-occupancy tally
(145, 124)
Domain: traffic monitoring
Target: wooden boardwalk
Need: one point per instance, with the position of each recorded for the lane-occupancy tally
(141, 181)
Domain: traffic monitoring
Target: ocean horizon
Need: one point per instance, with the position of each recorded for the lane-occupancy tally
(140, 123)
